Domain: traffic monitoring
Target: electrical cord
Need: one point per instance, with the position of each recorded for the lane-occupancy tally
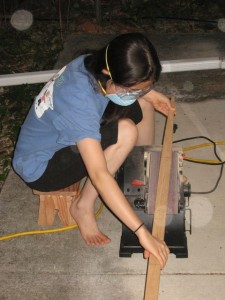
(34, 232)
(203, 161)
(207, 162)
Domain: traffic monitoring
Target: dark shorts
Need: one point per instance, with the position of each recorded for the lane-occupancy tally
(67, 167)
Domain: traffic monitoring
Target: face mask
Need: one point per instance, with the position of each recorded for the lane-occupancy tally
(122, 99)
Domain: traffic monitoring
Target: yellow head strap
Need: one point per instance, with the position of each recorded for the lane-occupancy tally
(102, 88)
(106, 61)
(107, 67)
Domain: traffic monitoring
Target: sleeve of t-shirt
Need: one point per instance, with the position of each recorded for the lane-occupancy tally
(78, 114)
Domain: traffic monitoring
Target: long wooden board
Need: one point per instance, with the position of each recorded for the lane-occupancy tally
(159, 221)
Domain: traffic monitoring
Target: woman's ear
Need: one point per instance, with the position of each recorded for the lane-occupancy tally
(106, 72)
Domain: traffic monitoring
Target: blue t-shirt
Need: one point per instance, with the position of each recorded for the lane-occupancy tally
(68, 109)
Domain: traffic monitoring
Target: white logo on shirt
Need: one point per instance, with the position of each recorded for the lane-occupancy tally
(44, 99)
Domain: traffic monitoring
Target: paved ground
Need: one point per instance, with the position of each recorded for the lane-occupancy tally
(60, 266)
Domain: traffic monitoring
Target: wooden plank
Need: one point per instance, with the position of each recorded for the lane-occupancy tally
(159, 221)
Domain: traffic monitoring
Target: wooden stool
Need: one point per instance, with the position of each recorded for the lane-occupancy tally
(57, 201)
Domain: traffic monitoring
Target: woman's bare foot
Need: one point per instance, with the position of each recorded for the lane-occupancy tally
(85, 219)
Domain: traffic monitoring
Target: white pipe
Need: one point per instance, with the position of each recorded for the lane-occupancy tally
(192, 64)
(26, 78)
(169, 66)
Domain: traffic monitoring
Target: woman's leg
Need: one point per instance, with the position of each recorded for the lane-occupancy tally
(146, 128)
(82, 210)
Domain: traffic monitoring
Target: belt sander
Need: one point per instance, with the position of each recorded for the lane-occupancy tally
(138, 178)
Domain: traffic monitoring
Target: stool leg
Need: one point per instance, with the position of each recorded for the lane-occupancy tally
(63, 205)
(46, 210)
(69, 200)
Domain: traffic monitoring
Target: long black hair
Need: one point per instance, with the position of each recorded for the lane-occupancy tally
(131, 59)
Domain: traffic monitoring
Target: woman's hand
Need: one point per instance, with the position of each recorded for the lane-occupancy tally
(153, 246)
(160, 102)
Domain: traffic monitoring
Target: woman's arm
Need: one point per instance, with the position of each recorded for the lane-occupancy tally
(94, 159)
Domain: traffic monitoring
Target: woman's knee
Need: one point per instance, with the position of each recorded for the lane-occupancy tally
(128, 132)
(146, 128)
(146, 107)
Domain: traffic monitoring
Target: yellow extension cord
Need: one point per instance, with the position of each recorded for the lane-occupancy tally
(7, 237)
(214, 162)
